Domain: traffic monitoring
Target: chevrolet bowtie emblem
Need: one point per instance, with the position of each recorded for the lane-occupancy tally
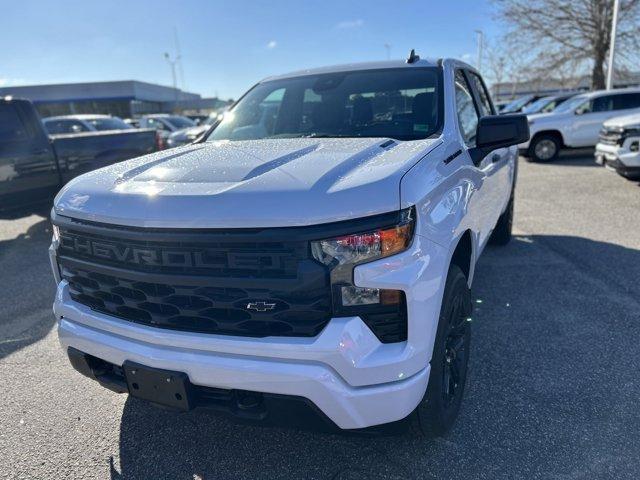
(260, 306)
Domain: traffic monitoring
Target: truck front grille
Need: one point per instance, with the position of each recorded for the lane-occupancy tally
(611, 136)
(219, 283)
(202, 308)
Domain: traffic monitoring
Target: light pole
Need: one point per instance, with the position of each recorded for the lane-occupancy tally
(172, 63)
(612, 44)
(480, 46)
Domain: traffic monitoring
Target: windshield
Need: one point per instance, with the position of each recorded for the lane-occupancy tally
(180, 122)
(538, 105)
(516, 105)
(397, 103)
(111, 123)
(570, 105)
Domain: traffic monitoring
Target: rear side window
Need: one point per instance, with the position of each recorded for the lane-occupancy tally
(483, 95)
(626, 101)
(466, 110)
(12, 128)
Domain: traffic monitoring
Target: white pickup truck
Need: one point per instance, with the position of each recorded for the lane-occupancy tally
(619, 145)
(309, 259)
(577, 122)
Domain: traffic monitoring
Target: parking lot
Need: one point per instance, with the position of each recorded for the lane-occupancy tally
(552, 389)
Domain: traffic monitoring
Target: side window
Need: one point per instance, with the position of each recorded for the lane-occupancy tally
(12, 129)
(466, 110)
(602, 104)
(626, 101)
(483, 95)
(72, 126)
(157, 124)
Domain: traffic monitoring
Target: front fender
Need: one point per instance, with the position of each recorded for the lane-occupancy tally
(446, 197)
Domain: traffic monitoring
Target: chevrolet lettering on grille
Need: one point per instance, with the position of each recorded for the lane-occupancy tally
(164, 257)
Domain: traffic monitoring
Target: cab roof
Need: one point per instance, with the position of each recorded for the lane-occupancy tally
(354, 67)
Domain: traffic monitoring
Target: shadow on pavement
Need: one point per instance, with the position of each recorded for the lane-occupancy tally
(28, 289)
(42, 209)
(580, 157)
(552, 389)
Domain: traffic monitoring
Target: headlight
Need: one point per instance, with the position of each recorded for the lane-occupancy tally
(56, 234)
(365, 247)
(383, 310)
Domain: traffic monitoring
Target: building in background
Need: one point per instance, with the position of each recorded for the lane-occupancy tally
(127, 98)
(550, 86)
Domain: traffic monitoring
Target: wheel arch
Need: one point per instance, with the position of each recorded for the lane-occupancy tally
(463, 255)
(554, 132)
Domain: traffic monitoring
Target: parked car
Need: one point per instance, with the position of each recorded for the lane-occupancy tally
(308, 257)
(499, 105)
(547, 104)
(619, 145)
(197, 119)
(519, 104)
(577, 122)
(83, 123)
(165, 124)
(134, 122)
(33, 165)
(189, 135)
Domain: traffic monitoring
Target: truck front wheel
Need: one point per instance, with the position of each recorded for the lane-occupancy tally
(439, 408)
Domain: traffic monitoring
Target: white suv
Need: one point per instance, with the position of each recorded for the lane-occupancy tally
(576, 122)
(311, 257)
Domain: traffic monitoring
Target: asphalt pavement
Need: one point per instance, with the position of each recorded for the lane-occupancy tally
(553, 389)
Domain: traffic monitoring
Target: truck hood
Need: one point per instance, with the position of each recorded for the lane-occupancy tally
(626, 121)
(253, 183)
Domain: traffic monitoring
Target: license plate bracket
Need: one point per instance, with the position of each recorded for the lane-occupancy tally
(164, 387)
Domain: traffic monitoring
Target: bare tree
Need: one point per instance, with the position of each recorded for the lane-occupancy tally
(505, 59)
(575, 32)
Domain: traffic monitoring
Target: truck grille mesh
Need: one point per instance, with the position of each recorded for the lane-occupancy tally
(200, 308)
(611, 136)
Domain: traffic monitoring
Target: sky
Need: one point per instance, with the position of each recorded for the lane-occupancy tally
(225, 46)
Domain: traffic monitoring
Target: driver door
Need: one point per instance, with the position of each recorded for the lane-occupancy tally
(487, 199)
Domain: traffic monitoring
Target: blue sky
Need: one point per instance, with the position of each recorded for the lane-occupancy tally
(226, 46)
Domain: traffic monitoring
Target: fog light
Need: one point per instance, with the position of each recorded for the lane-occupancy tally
(353, 296)
(634, 147)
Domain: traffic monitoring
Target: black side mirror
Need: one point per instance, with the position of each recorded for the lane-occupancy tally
(499, 131)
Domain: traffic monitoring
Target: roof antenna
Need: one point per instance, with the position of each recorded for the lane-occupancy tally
(412, 58)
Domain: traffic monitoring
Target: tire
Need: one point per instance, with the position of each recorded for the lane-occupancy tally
(544, 148)
(502, 233)
(438, 410)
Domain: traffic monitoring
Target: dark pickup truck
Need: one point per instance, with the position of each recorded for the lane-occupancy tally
(34, 166)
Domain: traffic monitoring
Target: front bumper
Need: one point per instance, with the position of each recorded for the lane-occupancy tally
(345, 371)
(619, 158)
